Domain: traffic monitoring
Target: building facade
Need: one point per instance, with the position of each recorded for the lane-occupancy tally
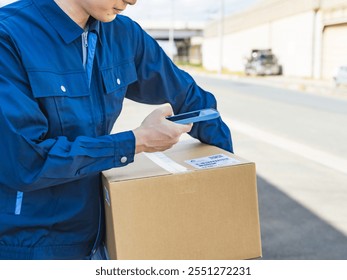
(309, 37)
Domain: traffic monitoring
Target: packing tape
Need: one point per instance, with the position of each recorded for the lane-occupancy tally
(165, 162)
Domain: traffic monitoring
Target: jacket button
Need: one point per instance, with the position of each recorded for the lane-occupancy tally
(118, 81)
(123, 159)
(63, 89)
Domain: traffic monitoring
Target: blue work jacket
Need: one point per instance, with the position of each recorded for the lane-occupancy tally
(55, 127)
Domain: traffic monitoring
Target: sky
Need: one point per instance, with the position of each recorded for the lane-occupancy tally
(4, 2)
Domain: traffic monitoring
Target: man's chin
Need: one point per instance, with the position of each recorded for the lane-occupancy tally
(107, 18)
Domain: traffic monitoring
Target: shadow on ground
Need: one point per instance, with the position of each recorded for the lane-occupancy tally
(292, 232)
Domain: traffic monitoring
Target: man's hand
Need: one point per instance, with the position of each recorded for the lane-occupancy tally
(156, 133)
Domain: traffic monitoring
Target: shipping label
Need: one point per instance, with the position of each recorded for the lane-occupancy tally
(212, 161)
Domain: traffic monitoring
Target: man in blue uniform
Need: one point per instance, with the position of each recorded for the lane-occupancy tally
(65, 68)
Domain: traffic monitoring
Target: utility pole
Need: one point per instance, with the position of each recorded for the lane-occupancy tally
(172, 31)
(316, 59)
(221, 35)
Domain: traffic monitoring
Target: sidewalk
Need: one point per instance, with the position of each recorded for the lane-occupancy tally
(306, 85)
(313, 86)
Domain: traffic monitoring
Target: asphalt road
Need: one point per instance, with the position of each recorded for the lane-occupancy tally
(299, 144)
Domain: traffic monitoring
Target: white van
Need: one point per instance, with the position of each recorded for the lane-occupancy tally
(340, 77)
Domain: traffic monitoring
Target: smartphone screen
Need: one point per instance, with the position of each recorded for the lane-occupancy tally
(194, 116)
(183, 116)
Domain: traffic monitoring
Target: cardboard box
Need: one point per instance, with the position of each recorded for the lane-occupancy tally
(205, 211)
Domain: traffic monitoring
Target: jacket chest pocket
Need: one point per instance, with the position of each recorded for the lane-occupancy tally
(65, 101)
(116, 80)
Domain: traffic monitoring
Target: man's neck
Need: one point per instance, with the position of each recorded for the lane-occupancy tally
(74, 11)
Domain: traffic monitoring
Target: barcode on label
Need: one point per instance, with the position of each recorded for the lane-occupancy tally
(212, 161)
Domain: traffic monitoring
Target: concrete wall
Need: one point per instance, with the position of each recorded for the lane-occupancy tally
(291, 41)
(237, 46)
(325, 4)
(289, 38)
(265, 11)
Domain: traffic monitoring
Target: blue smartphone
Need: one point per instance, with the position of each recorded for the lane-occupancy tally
(194, 116)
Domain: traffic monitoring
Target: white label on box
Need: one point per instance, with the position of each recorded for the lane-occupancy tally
(212, 161)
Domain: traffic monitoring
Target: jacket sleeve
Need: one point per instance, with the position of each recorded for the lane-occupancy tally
(160, 81)
(30, 160)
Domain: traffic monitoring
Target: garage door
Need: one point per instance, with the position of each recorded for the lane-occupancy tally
(334, 49)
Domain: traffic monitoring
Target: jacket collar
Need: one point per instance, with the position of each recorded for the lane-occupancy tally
(61, 22)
